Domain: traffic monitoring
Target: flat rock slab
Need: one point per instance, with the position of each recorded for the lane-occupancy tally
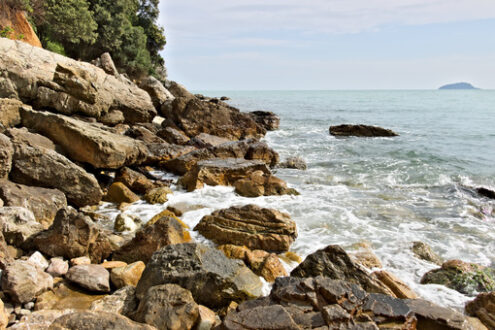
(97, 321)
(92, 277)
(361, 131)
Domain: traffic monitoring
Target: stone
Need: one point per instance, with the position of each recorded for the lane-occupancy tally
(127, 222)
(127, 275)
(39, 260)
(234, 251)
(6, 256)
(483, 307)
(66, 295)
(399, 288)
(9, 112)
(297, 163)
(43, 202)
(207, 319)
(96, 321)
(18, 225)
(91, 277)
(4, 316)
(488, 193)
(80, 261)
(333, 262)
(251, 226)
(225, 172)
(73, 235)
(118, 193)
(86, 142)
(172, 135)
(122, 301)
(261, 151)
(154, 235)
(268, 120)
(113, 264)
(365, 257)
(204, 140)
(361, 131)
(24, 136)
(58, 267)
(135, 181)
(431, 316)
(113, 118)
(213, 279)
(107, 64)
(61, 84)
(6, 155)
(263, 317)
(258, 184)
(22, 281)
(423, 251)
(158, 195)
(168, 306)
(467, 278)
(160, 96)
(272, 268)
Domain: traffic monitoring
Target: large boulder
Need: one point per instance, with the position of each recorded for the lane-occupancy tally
(259, 183)
(94, 278)
(6, 154)
(122, 301)
(73, 235)
(9, 112)
(128, 275)
(361, 131)
(86, 142)
(483, 307)
(168, 306)
(43, 202)
(160, 96)
(333, 262)
(96, 321)
(251, 226)
(58, 83)
(267, 119)
(18, 225)
(135, 181)
(213, 279)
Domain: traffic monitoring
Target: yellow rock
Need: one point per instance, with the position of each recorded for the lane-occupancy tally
(113, 264)
(158, 195)
(118, 193)
(399, 288)
(127, 275)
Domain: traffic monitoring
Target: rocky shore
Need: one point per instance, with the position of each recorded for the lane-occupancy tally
(74, 135)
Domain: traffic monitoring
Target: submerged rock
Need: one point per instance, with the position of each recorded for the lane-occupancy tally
(361, 130)
(297, 163)
(488, 193)
(423, 251)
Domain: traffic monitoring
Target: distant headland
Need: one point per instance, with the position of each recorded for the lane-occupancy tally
(461, 85)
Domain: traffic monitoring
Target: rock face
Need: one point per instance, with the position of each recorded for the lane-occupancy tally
(18, 225)
(51, 81)
(17, 20)
(361, 130)
(92, 277)
(268, 120)
(467, 278)
(483, 307)
(86, 142)
(44, 203)
(23, 281)
(6, 154)
(97, 321)
(250, 225)
(168, 306)
(10, 115)
(335, 263)
(73, 235)
(424, 252)
(213, 279)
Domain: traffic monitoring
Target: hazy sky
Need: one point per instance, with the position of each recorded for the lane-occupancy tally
(329, 44)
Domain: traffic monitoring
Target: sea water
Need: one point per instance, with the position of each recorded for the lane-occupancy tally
(388, 192)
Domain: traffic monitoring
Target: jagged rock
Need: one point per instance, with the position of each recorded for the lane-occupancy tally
(268, 120)
(213, 279)
(92, 277)
(207, 319)
(158, 195)
(5, 255)
(174, 136)
(483, 307)
(168, 306)
(38, 260)
(423, 251)
(160, 96)
(218, 171)
(295, 163)
(51, 81)
(106, 63)
(122, 301)
(118, 193)
(361, 130)
(250, 225)
(9, 112)
(272, 268)
(18, 225)
(97, 321)
(155, 234)
(467, 278)
(113, 118)
(23, 281)
(86, 142)
(58, 267)
(259, 183)
(66, 295)
(43, 202)
(127, 222)
(73, 235)
(135, 181)
(488, 193)
(333, 262)
(6, 155)
(204, 140)
(399, 288)
(128, 275)
(261, 151)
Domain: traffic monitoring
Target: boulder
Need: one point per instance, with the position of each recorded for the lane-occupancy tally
(127, 222)
(58, 267)
(86, 142)
(39, 319)
(39, 260)
(267, 119)
(43, 202)
(9, 112)
(97, 321)
(365, 257)
(135, 181)
(251, 226)
(333, 262)
(488, 193)
(6, 155)
(128, 275)
(22, 281)
(172, 135)
(118, 193)
(259, 183)
(483, 307)
(467, 278)
(18, 225)
(106, 63)
(113, 118)
(73, 235)
(61, 84)
(91, 277)
(154, 235)
(122, 301)
(213, 279)
(158, 195)
(168, 306)
(160, 96)
(204, 140)
(145, 134)
(219, 171)
(361, 131)
(423, 251)
(399, 288)
(297, 163)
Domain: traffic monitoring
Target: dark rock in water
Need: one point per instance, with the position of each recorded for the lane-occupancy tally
(461, 85)
(361, 131)
(224, 98)
(486, 192)
(267, 119)
(423, 251)
(467, 278)
(294, 162)
(483, 307)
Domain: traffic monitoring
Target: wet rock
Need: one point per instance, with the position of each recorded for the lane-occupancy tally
(126, 222)
(268, 120)
(118, 193)
(297, 163)
(234, 251)
(92, 277)
(22, 281)
(488, 193)
(66, 295)
(43, 202)
(250, 225)
(259, 183)
(423, 251)
(154, 235)
(213, 279)
(399, 288)
(483, 307)
(73, 235)
(361, 131)
(467, 278)
(135, 181)
(9, 112)
(6, 155)
(128, 275)
(122, 301)
(97, 321)
(160, 96)
(272, 268)
(174, 136)
(335, 263)
(113, 118)
(18, 225)
(58, 267)
(158, 195)
(168, 306)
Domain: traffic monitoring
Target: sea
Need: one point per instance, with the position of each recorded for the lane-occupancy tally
(387, 192)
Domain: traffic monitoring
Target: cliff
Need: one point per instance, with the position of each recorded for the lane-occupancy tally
(17, 20)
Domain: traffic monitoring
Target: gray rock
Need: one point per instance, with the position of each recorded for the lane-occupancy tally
(122, 301)
(96, 321)
(58, 267)
(39, 260)
(6, 154)
(295, 163)
(92, 277)
(23, 281)
(18, 225)
(160, 96)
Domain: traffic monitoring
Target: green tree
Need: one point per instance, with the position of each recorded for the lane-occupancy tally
(147, 16)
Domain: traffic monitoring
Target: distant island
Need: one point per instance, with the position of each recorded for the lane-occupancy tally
(461, 85)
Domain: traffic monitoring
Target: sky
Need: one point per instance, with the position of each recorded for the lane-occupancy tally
(329, 44)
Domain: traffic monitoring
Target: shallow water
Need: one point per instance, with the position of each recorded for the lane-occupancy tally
(387, 191)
